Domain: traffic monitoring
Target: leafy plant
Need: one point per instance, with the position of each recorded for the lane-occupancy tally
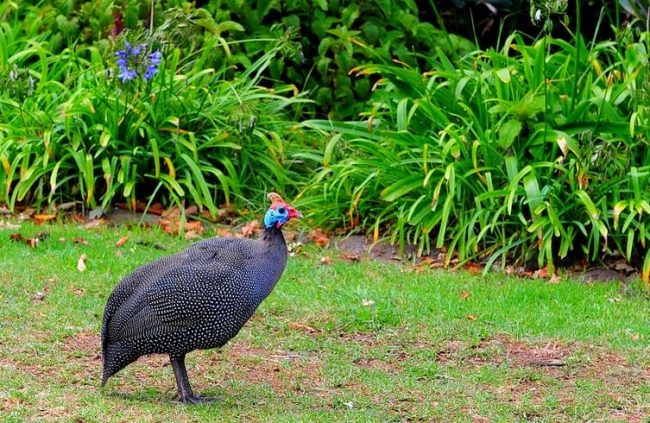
(532, 152)
(185, 133)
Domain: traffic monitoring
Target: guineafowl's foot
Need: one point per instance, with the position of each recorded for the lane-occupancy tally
(195, 399)
(185, 394)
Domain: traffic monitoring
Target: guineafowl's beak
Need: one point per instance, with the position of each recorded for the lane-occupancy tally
(293, 213)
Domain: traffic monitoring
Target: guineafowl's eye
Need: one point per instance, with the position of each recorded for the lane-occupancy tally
(282, 210)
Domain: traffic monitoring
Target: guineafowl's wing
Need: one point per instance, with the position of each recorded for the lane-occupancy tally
(133, 283)
(195, 289)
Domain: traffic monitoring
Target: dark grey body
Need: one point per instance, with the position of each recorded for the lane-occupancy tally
(197, 299)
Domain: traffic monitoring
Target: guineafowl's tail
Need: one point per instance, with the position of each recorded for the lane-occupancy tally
(116, 357)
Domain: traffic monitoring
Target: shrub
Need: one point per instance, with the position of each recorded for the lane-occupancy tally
(532, 152)
(186, 133)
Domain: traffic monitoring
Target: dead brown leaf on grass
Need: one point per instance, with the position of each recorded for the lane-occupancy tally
(39, 219)
(93, 224)
(156, 208)
(465, 294)
(351, 256)
(81, 263)
(474, 268)
(81, 241)
(32, 242)
(555, 279)
(541, 273)
(319, 238)
(193, 209)
(122, 241)
(8, 225)
(173, 227)
(326, 260)
(249, 229)
(303, 327)
(189, 235)
(223, 232)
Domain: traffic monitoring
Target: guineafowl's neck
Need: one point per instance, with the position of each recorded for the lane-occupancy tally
(273, 235)
(275, 260)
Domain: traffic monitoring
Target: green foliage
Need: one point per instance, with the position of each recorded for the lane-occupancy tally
(532, 152)
(536, 151)
(71, 130)
(332, 38)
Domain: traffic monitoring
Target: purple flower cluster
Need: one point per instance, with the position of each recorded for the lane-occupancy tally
(134, 61)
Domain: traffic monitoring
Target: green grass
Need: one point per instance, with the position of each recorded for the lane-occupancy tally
(318, 351)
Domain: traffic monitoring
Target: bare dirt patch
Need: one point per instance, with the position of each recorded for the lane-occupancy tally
(360, 246)
(367, 339)
(279, 369)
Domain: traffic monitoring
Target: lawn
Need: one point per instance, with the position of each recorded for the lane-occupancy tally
(353, 341)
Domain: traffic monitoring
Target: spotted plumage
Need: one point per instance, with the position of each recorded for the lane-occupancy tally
(197, 299)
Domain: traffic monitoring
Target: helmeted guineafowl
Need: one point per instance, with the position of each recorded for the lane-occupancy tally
(197, 299)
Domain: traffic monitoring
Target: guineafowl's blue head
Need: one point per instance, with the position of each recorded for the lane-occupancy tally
(279, 213)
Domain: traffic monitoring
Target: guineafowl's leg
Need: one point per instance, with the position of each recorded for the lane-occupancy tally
(184, 388)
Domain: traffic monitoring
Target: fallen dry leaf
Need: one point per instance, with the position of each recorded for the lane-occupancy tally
(122, 241)
(79, 218)
(249, 229)
(294, 248)
(326, 260)
(173, 213)
(79, 292)
(555, 279)
(192, 210)
(168, 226)
(350, 255)
(173, 227)
(223, 232)
(16, 237)
(8, 225)
(81, 241)
(194, 226)
(427, 261)
(464, 295)
(319, 238)
(94, 223)
(541, 273)
(470, 317)
(474, 268)
(32, 242)
(189, 235)
(367, 303)
(156, 208)
(81, 264)
(302, 327)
